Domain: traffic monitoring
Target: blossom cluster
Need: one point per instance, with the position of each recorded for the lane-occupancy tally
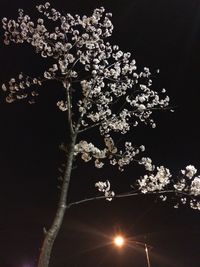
(102, 88)
(107, 76)
(66, 44)
(89, 151)
(147, 163)
(186, 185)
(159, 180)
(121, 158)
(155, 182)
(106, 93)
(109, 90)
(104, 187)
(22, 87)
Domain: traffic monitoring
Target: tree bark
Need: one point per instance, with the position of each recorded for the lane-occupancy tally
(52, 233)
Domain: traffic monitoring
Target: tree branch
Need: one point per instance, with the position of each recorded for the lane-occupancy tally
(89, 127)
(67, 86)
(136, 193)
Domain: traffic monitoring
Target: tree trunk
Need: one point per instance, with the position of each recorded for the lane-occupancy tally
(52, 233)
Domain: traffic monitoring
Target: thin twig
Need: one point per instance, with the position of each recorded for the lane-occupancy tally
(89, 127)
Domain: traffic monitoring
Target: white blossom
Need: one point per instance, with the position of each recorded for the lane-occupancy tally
(189, 171)
(105, 188)
(155, 182)
(101, 87)
(195, 187)
(62, 105)
(147, 162)
(180, 185)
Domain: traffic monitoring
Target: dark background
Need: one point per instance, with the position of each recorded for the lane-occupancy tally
(162, 34)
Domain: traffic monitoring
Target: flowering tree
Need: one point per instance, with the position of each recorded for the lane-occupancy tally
(102, 89)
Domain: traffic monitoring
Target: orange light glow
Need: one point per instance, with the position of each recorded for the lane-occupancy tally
(119, 241)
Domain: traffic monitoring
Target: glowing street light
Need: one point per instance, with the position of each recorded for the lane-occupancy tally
(119, 241)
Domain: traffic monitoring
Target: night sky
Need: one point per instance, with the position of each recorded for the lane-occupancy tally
(162, 34)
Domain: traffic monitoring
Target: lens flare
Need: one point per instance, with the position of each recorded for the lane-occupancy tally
(119, 241)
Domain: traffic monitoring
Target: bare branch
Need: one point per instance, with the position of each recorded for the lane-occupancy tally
(89, 127)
